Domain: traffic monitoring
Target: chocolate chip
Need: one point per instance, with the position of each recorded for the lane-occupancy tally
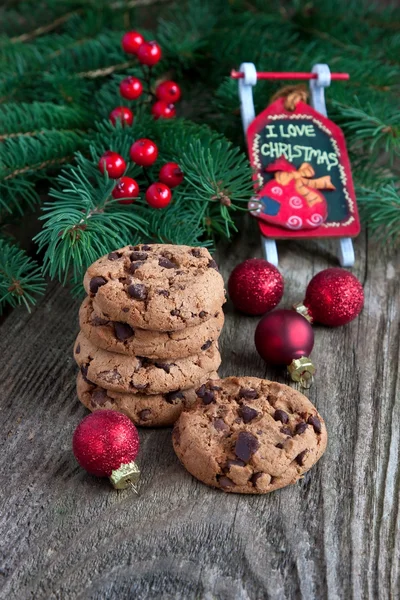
(220, 425)
(164, 293)
(174, 397)
(225, 482)
(137, 291)
(286, 431)
(213, 265)
(114, 256)
(300, 457)
(134, 266)
(145, 414)
(134, 247)
(147, 248)
(78, 349)
(316, 423)
(202, 314)
(139, 386)
(95, 283)
(215, 387)
(280, 446)
(248, 393)
(232, 462)
(282, 416)
(246, 445)
(300, 428)
(97, 321)
(125, 309)
(164, 366)
(254, 478)
(247, 413)
(111, 376)
(138, 256)
(206, 345)
(123, 331)
(206, 395)
(84, 370)
(100, 397)
(175, 312)
(166, 263)
(195, 252)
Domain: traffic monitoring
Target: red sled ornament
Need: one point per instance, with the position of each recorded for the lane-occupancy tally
(303, 181)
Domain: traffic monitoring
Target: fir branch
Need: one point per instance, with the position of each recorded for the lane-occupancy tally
(381, 210)
(21, 281)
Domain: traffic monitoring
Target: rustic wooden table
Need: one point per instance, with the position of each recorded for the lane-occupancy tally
(65, 534)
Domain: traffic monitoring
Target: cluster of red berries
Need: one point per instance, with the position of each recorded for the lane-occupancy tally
(131, 88)
(144, 153)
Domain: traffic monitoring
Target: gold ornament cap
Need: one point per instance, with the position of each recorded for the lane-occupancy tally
(126, 476)
(303, 311)
(302, 371)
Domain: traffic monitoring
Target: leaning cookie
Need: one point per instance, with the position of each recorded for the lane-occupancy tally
(160, 287)
(115, 336)
(249, 436)
(136, 374)
(159, 410)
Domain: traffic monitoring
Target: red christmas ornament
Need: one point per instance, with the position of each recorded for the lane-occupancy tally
(168, 91)
(144, 152)
(149, 53)
(162, 110)
(255, 286)
(122, 114)
(158, 195)
(171, 174)
(131, 42)
(131, 88)
(105, 444)
(127, 188)
(333, 297)
(113, 163)
(283, 337)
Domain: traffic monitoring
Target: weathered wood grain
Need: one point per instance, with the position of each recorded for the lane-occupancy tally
(334, 535)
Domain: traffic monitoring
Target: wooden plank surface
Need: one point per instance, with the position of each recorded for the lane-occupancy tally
(67, 535)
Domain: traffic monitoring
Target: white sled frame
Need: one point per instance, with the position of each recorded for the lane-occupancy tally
(317, 90)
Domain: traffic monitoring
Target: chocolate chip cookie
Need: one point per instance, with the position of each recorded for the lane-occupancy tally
(119, 337)
(136, 374)
(159, 410)
(249, 435)
(160, 287)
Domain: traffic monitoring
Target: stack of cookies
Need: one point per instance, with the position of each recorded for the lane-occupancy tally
(149, 331)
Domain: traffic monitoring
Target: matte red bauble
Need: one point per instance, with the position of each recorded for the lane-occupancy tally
(131, 88)
(105, 444)
(131, 42)
(113, 163)
(171, 174)
(149, 53)
(168, 91)
(144, 152)
(333, 297)
(162, 110)
(283, 337)
(122, 114)
(255, 286)
(158, 195)
(127, 189)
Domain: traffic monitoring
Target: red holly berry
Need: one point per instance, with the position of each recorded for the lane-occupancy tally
(144, 152)
(162, 110)
(131, 88)
(113, 163)
(127, 188)
(122, 114)
(149, 53)
(131, 42)
(169, 91)
(158, 195)
(171, 174)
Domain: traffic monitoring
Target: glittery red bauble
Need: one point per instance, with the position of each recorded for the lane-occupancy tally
(255, 286)
(163, 110)
(105, 440)
(158, 195)
(122, 114)
(113, 163)
(131, 88)
(144, 152)
(282, 336)
(126, 190)
(131, 42)
(171, 174)
(149, 53)
(334, 297)
(169, 91)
